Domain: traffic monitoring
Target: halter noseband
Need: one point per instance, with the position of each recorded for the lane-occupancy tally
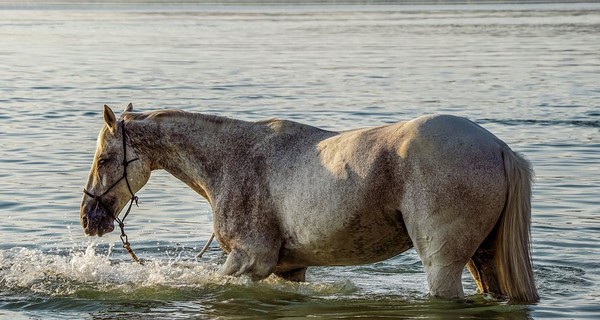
(134, 198)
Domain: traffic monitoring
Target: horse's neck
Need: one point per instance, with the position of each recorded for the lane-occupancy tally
(193, 147)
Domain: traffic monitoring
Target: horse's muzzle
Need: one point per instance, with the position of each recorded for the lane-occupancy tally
(95, 220)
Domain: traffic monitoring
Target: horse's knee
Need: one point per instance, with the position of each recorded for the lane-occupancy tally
(233, 264)
(240, 263)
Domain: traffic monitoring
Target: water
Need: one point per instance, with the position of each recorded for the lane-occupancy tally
(529, 73)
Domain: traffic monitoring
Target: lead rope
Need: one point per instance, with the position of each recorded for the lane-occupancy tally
(199, 255)
(123, 235)
(134, 198)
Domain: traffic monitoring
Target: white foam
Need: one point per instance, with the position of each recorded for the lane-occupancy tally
(33, 271)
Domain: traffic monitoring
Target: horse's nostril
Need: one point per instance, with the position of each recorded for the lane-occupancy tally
(84, 221)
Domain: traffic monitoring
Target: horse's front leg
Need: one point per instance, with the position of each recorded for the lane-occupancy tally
(247, 228)
(257, 261)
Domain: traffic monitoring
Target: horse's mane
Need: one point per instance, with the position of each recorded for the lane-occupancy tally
(170, 114)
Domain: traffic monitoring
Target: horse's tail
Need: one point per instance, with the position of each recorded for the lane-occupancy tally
(512, 259)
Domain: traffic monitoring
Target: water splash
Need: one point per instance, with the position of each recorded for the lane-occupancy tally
(89, 274)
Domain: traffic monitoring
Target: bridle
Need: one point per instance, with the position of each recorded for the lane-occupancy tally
(134, 198)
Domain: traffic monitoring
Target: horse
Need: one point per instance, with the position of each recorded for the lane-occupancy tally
(286, 195)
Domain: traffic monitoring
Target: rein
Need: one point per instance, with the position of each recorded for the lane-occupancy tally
(134, 198)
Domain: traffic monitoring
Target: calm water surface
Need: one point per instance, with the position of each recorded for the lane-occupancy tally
(528, 73)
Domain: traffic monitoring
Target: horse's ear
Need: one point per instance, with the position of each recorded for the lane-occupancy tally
(129, 108)
(110, 119)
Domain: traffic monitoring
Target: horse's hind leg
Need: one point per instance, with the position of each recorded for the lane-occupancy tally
(445, 241)
(443, 265)
(482, 267)
(439, 252)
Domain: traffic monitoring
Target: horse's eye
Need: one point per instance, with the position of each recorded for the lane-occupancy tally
(102, 161)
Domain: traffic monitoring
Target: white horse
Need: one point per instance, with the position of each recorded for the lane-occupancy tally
(287, 195)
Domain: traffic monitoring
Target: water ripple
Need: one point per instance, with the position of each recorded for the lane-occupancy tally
(526, 72)
(515, 122)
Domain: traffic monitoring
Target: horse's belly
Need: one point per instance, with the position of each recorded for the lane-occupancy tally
(364, 238)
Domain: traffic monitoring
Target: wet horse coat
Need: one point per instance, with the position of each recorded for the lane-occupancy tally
(286, 195)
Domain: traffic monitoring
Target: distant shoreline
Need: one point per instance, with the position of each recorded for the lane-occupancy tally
(283, 2)
(311, 5)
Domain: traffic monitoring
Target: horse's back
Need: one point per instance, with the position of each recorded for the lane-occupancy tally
(390, 152)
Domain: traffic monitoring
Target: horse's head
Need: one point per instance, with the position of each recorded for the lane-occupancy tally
(117, 173)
